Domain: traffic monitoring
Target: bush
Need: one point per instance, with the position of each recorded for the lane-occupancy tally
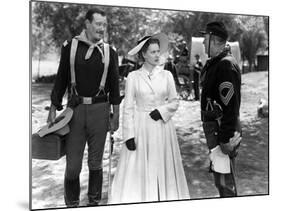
(46, 79)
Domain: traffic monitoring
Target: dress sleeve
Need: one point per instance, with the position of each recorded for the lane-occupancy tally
(128, 108)
(168, 110)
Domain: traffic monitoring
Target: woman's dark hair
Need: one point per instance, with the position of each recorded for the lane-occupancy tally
(89, 14)
(145, 47)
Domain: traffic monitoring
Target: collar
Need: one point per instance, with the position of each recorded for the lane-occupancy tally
(83, 38)
(218, 57)
(211, 61)
(152, 73)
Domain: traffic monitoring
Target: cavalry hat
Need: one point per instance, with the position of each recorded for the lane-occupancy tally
(59, 126)
(216, 28)
(163, 39)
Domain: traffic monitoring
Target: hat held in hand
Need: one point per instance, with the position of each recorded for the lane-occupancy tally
(59, 126)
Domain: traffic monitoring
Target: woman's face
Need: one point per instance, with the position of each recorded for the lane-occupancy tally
(152, 55)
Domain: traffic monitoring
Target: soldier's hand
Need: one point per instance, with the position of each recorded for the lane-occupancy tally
(52, 114)
(235, 140)
(228, 148)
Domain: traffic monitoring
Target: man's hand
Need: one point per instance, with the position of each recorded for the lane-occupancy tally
(228, 148)
(52, 114)
(236, 139)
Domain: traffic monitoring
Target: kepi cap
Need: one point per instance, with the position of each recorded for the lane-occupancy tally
(216, 28)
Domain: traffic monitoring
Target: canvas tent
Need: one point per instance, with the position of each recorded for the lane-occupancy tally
(197, 47)
(235, 50)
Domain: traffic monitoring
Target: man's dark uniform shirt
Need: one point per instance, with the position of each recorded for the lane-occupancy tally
(88, 74)
(221, 81)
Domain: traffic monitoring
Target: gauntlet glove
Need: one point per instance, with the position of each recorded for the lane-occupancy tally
(155, 115)
(130, 144)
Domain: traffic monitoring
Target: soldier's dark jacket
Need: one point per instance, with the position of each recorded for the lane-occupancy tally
(221, 81)
(88, 74)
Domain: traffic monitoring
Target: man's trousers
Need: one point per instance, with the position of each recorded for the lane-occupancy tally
(89, 124)
(225, 183)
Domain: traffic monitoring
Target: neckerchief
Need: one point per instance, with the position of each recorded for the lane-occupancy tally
(83, 38)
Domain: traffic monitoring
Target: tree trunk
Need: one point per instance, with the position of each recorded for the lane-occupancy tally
(39, 58)
(250, 65)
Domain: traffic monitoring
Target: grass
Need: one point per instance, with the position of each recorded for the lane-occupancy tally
(252, 161)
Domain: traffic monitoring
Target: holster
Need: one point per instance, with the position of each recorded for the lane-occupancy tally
(210, 117)
(210, 129)
(212, 113)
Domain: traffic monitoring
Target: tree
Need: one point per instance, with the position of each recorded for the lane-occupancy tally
(53, 23)
(254, 37)
(64, 20)
(41, 36)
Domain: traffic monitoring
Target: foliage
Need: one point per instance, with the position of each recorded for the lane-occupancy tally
(254, 38)
(52, 23)
(41, 35)
(46, 79)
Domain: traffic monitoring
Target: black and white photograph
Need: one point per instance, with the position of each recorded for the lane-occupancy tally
(138, 105)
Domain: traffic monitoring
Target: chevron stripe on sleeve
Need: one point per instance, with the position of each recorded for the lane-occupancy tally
(226, 91)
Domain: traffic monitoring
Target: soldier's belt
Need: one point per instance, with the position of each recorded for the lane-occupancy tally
(93, 100)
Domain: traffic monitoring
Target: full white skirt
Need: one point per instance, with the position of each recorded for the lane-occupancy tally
(154, 171)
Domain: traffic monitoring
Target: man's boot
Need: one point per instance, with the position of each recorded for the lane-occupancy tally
(71, 192)
(95, 187)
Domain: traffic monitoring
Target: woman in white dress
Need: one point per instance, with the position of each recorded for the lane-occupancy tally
(150, 166)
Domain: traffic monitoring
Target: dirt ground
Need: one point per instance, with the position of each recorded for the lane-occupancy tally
(251, 163)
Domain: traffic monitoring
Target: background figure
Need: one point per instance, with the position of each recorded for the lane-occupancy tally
(169, 65)
(196, 74)
(150, 166)
(220, 104)
(90, 102)
(127, 65)
(185, 50)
